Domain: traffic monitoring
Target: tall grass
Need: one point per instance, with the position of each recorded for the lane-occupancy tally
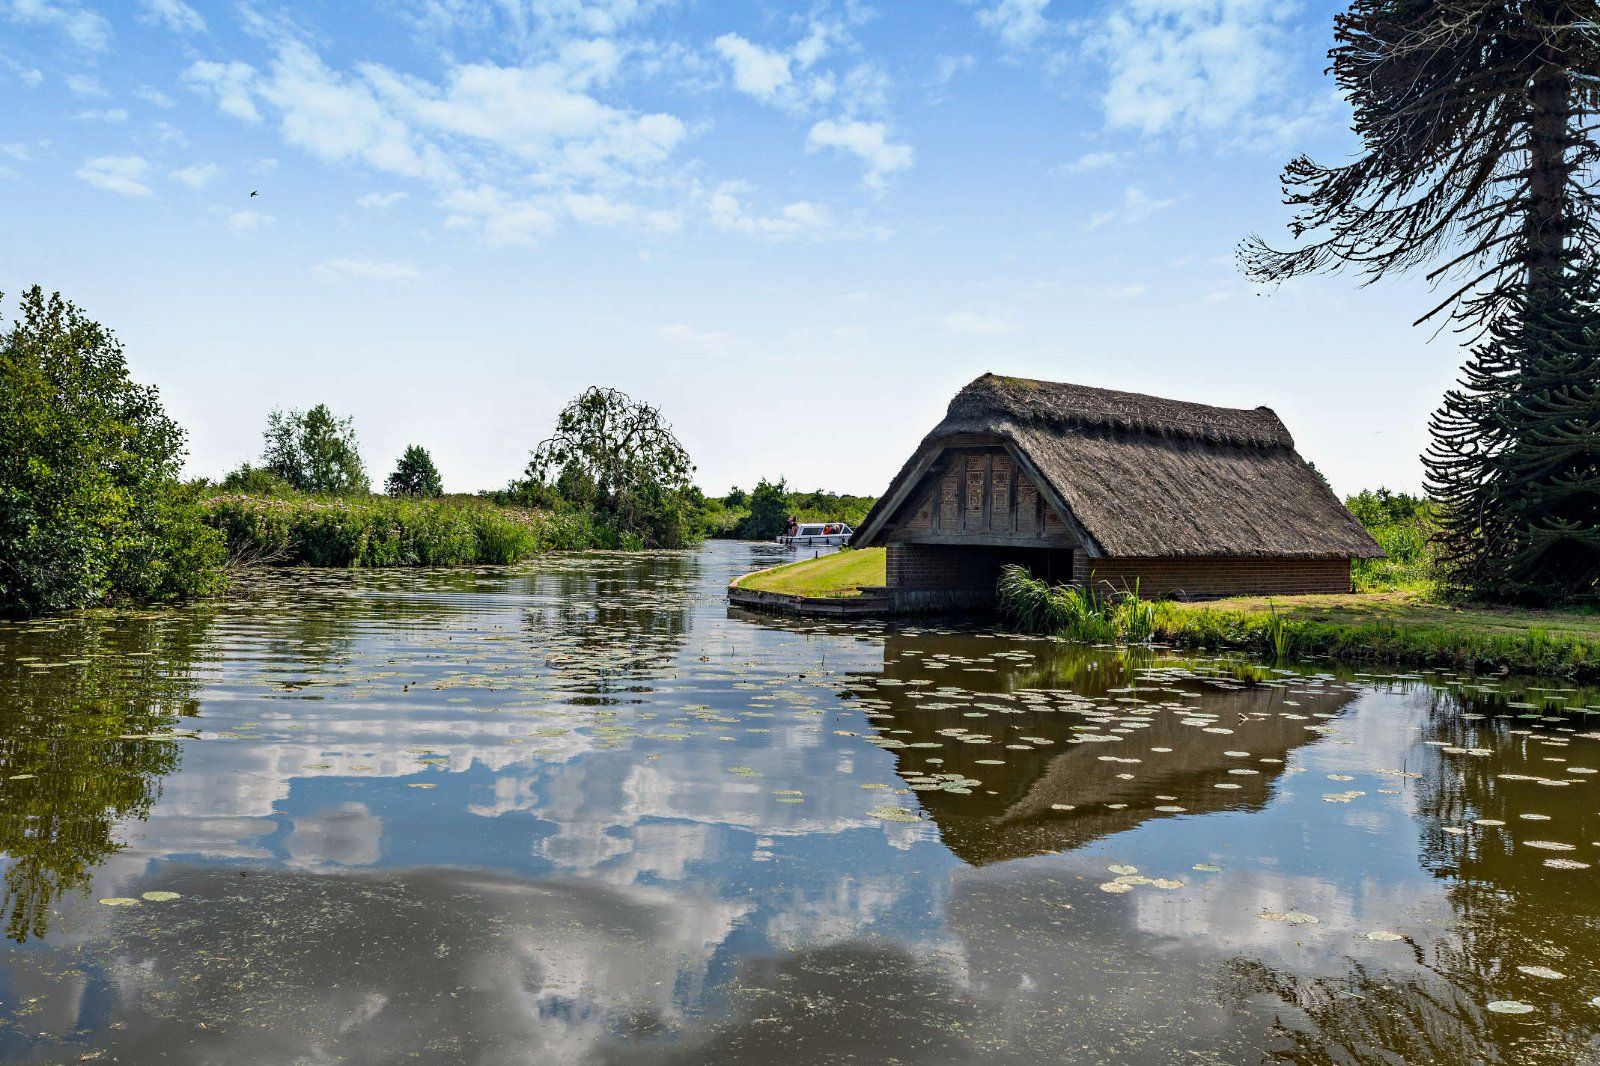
(1073, 611)
(377, 531)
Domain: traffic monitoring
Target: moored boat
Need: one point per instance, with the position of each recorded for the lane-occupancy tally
(817, 535)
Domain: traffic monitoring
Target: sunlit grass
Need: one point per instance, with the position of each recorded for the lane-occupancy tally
(837, 576)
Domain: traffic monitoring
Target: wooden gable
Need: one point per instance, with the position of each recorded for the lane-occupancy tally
(980, 495)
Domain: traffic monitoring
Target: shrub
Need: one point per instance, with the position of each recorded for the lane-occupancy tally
(91, 509)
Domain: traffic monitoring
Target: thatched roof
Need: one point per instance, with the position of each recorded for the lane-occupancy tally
(1148, 477)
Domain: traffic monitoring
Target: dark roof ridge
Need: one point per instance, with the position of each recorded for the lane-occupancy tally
(993, 398)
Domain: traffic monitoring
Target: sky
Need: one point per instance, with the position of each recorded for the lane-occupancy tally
(797, 228)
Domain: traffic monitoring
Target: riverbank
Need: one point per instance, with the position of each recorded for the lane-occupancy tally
(1394, 629)
(1405, 628)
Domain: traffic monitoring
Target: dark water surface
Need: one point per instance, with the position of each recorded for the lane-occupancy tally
(575, 812)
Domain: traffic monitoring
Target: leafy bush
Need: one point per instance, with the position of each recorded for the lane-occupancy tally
(415, 475)
(255, 481)
(91, 509)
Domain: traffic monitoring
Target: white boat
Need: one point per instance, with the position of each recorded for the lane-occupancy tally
(818, 535)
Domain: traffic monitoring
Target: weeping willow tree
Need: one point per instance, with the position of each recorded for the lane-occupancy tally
(1477, 122)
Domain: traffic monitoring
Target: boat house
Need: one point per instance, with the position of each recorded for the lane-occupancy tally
(1115, 489)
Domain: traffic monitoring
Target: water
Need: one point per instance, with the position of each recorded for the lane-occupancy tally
(575, 812)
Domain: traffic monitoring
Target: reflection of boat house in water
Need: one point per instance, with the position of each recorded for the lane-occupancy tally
(1085, 484)
(1017, 811)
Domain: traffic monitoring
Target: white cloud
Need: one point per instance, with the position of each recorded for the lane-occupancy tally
(799, 219)
(869, 140)
(979, 324)
(1018, 23)
(707, 340)
(1194, 66)
(1090, 162)
(83, 85)
(377, 201)
(86, 29)
(950, 66)
(122, 174)
(112, 114)
(152, 95)
(32, 77)
(229, 83)
(1137, 206)
(197, 177)
(175, 15)
(361, 269)
(758, 71)
(249, 221)
(1131, 291)
(499, 219)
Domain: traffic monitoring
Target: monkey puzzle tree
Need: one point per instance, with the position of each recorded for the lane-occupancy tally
(1477, 123)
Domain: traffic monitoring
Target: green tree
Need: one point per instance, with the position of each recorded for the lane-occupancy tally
(314, 451)
(769, 510)
(91, 508)
(639, 469)
(415, 474)
(1478, 122)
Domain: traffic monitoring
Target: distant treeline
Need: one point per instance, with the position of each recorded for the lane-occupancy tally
(765, 512)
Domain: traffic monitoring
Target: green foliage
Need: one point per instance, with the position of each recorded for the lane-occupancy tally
(91, 509)
(377, 531)
(1404, 527)
(314, 451)
(1273, 634)
(415, 475)
(619, 459)
(255, 481)
(764, 513)
(769, 511)
(1073, 611)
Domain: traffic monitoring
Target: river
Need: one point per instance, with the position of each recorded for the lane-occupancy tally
(577, 811)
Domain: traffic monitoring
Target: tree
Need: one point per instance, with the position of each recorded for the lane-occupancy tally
(91, 508)
(314, 451)
(639, 469)
(414, 474)
(1476, 117)
(769, 510)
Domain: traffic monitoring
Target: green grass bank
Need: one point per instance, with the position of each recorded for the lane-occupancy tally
(841, 575)
(1403, 628)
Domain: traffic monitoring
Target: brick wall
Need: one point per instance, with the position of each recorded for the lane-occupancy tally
(1210, 578)
(928, 577)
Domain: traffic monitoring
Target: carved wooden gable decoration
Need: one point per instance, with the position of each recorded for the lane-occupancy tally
(980, 495)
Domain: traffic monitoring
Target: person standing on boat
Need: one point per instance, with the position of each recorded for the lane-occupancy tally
(794, 525)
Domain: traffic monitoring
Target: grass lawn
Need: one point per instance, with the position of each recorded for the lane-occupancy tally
(1405, 608)
(1397, 628)
(837, 576)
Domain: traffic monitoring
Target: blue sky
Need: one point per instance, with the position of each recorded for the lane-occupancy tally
(798, 228)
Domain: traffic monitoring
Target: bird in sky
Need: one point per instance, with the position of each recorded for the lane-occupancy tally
(253, 194)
